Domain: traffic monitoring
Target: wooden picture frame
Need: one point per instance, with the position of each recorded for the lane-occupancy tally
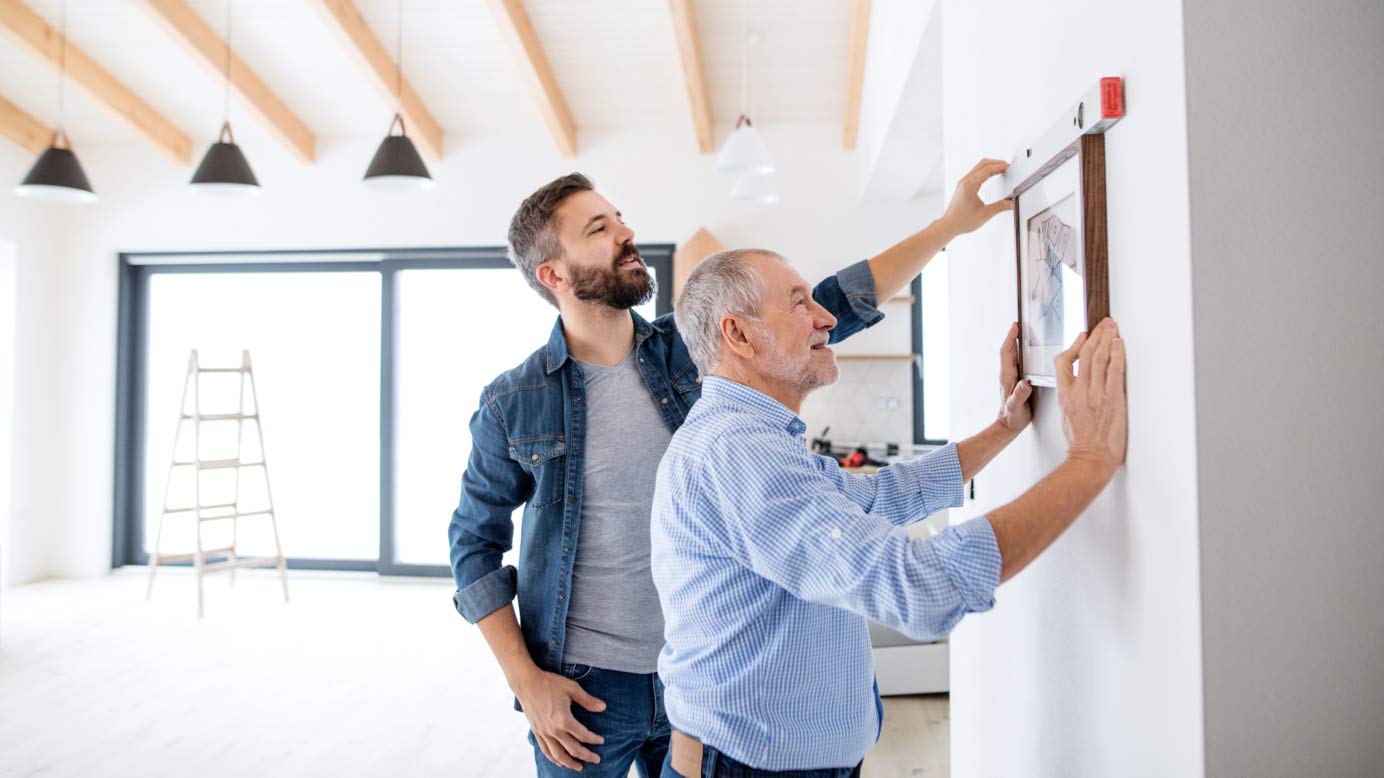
(1060, 239)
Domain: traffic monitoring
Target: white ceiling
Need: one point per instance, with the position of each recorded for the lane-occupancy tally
(616, 62)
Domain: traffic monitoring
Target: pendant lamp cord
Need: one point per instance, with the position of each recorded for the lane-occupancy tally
(744, 61)
(226, 71)
(62, 74)
(399, 61)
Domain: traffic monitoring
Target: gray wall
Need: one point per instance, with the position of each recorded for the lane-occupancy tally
(1285, 115)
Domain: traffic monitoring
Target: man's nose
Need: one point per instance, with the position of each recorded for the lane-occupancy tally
(825, 321)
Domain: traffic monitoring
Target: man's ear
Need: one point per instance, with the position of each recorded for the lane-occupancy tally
(735, 335)
(549, 275)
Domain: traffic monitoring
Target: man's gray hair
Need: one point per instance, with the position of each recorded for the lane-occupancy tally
(724, 282)
(533, 230)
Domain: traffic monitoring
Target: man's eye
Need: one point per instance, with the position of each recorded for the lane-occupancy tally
(802, 302)
(598, 229)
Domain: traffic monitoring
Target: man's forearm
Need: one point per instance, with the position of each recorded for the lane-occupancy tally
(895, 268)
(975, 452)
(501, 631)
(1028, 525)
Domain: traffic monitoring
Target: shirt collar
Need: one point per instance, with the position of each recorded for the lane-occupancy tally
(557, 341)
(719, 389)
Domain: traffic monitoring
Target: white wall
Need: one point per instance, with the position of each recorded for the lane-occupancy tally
(665, 189)
(34, 469)
(1089, 664)
(7, 320)
(1284, 111)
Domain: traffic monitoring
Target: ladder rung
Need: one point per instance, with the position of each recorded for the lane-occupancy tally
(242, 562)
(161, 558)
(223, 370)
(235, 515)
(219, 416)
(218, 464)
(200, 508)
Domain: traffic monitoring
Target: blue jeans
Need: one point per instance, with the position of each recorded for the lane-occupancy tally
(717, 765)
(634, 725)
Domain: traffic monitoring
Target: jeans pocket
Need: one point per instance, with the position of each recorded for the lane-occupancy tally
(577, 672)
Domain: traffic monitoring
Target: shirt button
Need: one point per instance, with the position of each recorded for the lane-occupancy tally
(576, 399)
(571, 501)
(535, 457)
(566, 549)
(554, 644)
(562, 596)
(664, 400)
(835, 534)
(641, 359)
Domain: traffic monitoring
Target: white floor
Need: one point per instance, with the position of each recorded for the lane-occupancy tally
(357, 676)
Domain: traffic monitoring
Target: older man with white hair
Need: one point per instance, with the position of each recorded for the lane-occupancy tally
(768, 559)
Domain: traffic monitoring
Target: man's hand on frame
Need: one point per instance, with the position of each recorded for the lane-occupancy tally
(1015, 413)
(1094, 409)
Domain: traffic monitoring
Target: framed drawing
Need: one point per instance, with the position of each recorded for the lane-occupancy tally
(1061, 254)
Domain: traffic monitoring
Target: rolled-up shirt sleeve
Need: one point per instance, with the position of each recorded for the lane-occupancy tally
(790, 522)
(849, 294)
(905, 492)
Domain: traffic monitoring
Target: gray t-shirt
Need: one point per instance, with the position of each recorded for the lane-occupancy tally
(614, 620)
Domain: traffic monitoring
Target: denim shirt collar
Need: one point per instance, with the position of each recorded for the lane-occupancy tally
(716, 390)
(557, 341)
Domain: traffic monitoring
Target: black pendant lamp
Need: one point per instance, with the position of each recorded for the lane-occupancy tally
(224, 169)
(396, 166)
(57, 176)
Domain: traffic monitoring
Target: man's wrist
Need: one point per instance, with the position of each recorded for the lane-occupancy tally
(945, 229)
(1009, 433)
(1097, 465)
(521, 677)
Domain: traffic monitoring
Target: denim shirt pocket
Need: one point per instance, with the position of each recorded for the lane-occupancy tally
(688, 384)
(544, 457)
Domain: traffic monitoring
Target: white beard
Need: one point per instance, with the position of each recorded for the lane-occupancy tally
(796, 370)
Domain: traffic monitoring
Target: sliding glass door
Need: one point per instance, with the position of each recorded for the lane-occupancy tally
(457, 330)
(313, 339)
(368, 367)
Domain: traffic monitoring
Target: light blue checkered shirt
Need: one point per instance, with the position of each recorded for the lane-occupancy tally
(767, 560)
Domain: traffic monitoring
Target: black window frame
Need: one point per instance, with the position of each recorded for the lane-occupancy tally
(132, 337)
(920, 437)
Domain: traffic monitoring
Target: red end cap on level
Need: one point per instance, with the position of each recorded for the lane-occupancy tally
(1112, 97)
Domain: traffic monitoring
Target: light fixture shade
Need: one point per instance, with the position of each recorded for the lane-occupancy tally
(57, 176)
(397, 167)
(756, 189)
(224, 169)
(744, 153)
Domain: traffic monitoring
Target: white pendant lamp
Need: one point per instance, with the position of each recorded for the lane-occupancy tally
(224, 169)
(756, 189)
(745, 153)
(57, 176)
(397, 166)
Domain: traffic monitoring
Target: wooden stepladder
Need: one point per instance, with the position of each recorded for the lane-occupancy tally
(231, 511)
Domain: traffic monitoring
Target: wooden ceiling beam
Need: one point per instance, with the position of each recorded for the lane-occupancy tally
(30, 30)
(31, 134)
(346, 19)
(183, 23)
(518, 32)
(855, 73)
(694, 75)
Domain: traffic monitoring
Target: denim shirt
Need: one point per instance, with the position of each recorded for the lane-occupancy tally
(527, 441)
